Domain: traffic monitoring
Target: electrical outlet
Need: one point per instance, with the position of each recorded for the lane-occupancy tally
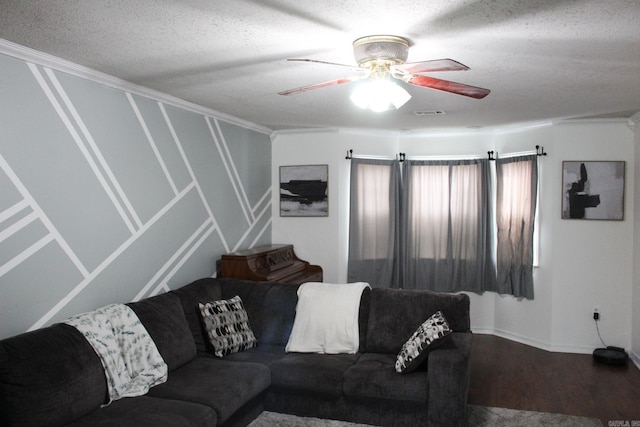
(596, 313)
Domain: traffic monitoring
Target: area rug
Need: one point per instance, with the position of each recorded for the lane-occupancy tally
(478, 416)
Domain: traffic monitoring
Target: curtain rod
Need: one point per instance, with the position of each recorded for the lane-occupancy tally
(350, 156)
(448, 157)
(539, 151)
(492, 155)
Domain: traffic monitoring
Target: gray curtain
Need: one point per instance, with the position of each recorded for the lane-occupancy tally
(517, 180)
(446, 234)
(373, 222)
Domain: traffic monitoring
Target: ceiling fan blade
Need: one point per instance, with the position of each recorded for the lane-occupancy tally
(447, 86)
(331, 64)
(321, 85)
(431, 66)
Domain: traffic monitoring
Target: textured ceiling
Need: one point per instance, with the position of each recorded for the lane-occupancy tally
(542, 59)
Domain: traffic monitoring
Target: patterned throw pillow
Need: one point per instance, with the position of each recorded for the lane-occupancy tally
(227, 326)
(428, 335)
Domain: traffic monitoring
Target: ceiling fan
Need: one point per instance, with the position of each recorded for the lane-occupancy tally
(383, 57)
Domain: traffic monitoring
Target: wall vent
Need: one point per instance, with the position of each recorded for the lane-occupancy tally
(429, 113)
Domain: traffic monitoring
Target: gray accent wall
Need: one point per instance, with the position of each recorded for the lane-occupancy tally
(109, 196)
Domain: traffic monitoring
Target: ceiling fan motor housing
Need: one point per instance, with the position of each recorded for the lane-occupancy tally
(371, 51)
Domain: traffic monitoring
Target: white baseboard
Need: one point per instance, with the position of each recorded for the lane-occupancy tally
(635, 358)
(556, 348)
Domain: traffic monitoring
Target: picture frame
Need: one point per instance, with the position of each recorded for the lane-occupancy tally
(304, 191)
(593, 190)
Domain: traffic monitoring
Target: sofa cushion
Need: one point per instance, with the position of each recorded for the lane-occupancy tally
(227, 326)
(202, 290)
(271, 307)
(311, 372)
(373, 376)
(265, 354)
(50, 376)
(395, 314)
(219, 384)
(144, 411)
(426, 337)
(164, 320)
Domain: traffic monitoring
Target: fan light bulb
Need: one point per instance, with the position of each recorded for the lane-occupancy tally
(380, 95)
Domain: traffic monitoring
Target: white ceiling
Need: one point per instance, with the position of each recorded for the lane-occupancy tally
(542, 59)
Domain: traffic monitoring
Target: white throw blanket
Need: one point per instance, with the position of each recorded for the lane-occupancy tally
(130, 358)
(327, 318)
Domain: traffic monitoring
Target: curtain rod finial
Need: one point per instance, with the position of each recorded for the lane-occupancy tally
(349, 155)
(540, 151)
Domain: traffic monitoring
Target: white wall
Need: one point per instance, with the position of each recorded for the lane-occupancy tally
(635, 321)
(582, 263)
(322, 241)
(592, 260)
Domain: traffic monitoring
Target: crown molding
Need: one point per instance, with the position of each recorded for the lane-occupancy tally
(50, 61)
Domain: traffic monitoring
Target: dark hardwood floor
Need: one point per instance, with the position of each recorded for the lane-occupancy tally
(508, 374)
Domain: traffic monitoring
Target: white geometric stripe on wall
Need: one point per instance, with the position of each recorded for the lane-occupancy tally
(36, 215)
(111, 196)
(156, 152)
(83, 138)
(230, 169)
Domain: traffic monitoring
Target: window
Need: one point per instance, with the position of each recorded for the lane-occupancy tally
(432, 225)
(517, 180)
(373, 224)
(428, 211)
(373, 209)
(447, 232)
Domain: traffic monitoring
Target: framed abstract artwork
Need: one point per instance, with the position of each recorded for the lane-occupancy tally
(304, 190)
(593, 190)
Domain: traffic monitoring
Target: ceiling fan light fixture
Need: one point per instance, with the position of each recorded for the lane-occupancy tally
(391, 49)
(380, 95)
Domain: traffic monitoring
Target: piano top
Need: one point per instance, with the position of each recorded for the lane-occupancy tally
(276, 262)
(260, 250)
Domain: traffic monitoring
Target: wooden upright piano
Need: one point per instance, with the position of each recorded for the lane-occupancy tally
(271, 263)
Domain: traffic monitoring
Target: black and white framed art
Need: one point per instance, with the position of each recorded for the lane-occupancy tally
(593, 190)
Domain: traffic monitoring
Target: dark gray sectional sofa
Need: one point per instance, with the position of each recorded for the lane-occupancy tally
(52, 376)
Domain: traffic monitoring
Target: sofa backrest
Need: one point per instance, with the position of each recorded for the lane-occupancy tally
(49, 377)
(395, 314)
(165, 321)
(271, 307)
(202, 290)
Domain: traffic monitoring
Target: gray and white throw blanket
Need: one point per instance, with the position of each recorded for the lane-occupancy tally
(131, 361)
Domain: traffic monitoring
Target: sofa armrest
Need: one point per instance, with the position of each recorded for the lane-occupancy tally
(449, 375)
